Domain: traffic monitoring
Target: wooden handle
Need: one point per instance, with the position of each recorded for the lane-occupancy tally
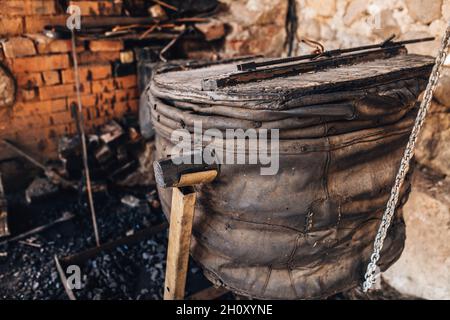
(181, 219)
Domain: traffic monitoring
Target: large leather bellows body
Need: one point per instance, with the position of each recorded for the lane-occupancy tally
(308, 231)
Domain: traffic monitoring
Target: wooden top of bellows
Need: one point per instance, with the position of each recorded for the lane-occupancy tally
(186, 85)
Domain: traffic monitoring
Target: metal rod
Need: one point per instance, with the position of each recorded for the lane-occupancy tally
(387, 43)
(166, 5)
(24, 155)
(65, 217)
(170, 44)
(80, 123)
(138, 236)
(52, 175)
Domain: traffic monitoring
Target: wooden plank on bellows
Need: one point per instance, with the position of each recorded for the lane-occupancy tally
(298, 68)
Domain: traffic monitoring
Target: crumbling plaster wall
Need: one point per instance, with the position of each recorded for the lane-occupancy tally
(257, 27)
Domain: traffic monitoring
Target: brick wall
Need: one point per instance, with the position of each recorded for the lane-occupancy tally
(43, 69)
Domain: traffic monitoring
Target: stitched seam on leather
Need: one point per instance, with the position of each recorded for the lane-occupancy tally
(292, 284)
(269, 272)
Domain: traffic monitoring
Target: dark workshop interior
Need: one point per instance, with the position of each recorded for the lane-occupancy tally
(354, 92)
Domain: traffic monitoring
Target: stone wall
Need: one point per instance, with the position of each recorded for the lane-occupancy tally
(257, 27)
(345, 23)
(424, 268)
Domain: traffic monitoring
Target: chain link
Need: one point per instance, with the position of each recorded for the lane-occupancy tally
(371, 274)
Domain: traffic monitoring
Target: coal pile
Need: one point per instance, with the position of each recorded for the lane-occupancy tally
(120, 161)
(134, 271)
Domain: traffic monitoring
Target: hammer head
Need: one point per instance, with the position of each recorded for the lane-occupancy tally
(181, 172)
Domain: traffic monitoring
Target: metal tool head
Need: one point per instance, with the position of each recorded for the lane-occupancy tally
(184, 171)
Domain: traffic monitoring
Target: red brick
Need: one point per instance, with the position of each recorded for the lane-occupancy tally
(19, 47)
(56, 131)
(88, 57)
(40, 7)
(56, 105)
(126, 82)
(125, 95)
(118, 95)
(35, 24)
(100, 7)
(58, 46)
(56, 118)
(108, 85)
(29, 80)
(14, 7)
(112, 85)
(106, 45)
(93, 113)
(60, 91)
(51, 77)
(27, 94)
(88, 73)
(41, 63)
(28, 7)
(121, 108)
(87, 101)
(10, 26)
(26, 109)
(106, 97)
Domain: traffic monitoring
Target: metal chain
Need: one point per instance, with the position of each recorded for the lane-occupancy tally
(370, 276)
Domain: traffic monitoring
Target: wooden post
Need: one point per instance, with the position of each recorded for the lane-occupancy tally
(181, 219)
(181, 174)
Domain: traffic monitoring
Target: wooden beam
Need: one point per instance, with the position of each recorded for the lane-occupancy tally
(65, 217)
(181, 219)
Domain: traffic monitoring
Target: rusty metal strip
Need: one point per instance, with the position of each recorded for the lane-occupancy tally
(52, 175)
(4, 230)
(81, 132)
(63, 278)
